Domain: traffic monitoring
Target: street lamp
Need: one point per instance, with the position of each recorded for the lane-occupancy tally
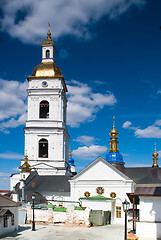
(126, 206)
(33, 220)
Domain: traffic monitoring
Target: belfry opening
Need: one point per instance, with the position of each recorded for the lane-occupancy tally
(44, 109)
(43, 148)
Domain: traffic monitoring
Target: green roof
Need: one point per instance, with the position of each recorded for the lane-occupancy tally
(98, 197)
(59, 209)
(50, 205)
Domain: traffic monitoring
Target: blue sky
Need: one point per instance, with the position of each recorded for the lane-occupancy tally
(110, 55)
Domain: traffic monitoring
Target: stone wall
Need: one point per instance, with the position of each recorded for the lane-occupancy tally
(70, 217)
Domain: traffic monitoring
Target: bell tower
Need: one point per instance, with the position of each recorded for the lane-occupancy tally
(46, 134)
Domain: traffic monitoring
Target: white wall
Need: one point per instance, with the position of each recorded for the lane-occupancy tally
(149, 226)
(102, 174)
(9, 228)
(148, 231)
(14, 180)
(105, 205)
(150, 208)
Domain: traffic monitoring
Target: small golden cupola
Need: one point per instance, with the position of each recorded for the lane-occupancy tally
(113, 140)
(113, 156)
(26, 168)
(155, 159)
(48, 41)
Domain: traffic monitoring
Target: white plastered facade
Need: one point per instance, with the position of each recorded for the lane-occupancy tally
(53, 128)
(149, 226)
(100, 173)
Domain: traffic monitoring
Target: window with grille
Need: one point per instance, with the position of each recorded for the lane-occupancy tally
(118, 212)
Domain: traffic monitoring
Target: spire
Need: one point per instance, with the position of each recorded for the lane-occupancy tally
(26, 166)
(48, 41)
(49, 33)
(70, 154)
(113, 121)
(113, 140)
(155, 159)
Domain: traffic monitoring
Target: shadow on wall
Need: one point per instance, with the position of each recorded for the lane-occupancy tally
(156, 212)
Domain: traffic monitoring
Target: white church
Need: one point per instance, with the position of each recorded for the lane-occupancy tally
(48, 168)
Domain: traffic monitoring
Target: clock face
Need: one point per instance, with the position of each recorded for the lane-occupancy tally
(100, 190)
(44, 84)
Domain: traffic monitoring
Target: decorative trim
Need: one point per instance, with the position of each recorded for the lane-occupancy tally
(87, 194)
(113, 195)
(100, 190)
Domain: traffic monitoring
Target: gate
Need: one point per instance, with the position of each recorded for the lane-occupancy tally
(100, 217)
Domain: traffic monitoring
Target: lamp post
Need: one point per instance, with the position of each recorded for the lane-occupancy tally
(33, 220)
(126, 206)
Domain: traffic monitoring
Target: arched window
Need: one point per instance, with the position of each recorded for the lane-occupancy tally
(44, 109)
(47, 54)
(43, 148)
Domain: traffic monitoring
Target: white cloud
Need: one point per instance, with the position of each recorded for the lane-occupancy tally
(127, 124)
(159, 152)
(158, 123)
(83, 103)
(13, 105)
(16, 169)
(153, 131)
(4, 174)
(27, 19)
(136, 164)
(149, 132)
(88, 152)
(98, 82)
(15, 156)
(85, 140)
(13, 123)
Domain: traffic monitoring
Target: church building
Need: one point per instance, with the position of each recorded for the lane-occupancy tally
(48, 169)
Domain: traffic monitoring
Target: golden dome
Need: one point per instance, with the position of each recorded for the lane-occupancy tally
(47, 42)
(155, 159)
(46, 69)
(26, 166)
(114, 132)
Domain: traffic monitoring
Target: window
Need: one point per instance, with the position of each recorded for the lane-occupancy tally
(44, 109)
(47, 54)
(43, 148)
(5, 221)
(118, 212)
(12, 220)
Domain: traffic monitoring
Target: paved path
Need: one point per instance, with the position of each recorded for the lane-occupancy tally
(110, 232)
